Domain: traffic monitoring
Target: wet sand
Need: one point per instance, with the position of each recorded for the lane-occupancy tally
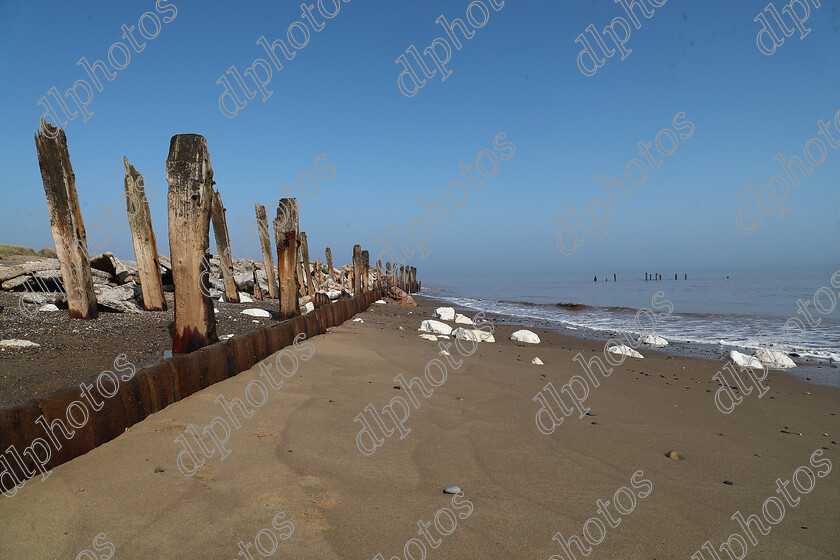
(297, 454)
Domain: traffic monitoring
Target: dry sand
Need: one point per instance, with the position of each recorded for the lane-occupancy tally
(298, 455)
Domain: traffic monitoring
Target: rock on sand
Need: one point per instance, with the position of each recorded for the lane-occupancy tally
(463, 319)
(436, 327)
(525, 336)
(653, 340)
(254, 312)
(774, 359)
(744, 360)
(445, 313)
(473, 334)
(17, 343)
(626, 350)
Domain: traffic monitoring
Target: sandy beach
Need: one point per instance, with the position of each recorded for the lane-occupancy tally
(297, 455)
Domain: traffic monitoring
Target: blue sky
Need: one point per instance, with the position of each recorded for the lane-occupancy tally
(518, 75)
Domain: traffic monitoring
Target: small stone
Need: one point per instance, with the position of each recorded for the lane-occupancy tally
(358, 320)
(673, 455)
(729, 482)
(158, 469)
(397, 387)
(451, 490)
(591, 414)
(537, 362)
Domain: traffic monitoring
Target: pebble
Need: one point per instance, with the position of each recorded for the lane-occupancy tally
(672, 455)
(728, 482)
(158, 469)
(451, 490)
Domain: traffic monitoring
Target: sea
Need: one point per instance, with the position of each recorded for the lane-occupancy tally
(713, 312)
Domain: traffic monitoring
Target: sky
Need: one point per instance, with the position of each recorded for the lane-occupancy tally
(338, 99)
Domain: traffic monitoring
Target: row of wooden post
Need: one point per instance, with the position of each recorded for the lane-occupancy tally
(192, 204)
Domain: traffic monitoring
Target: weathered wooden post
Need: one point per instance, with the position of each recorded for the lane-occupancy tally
(365, 271)
(357, 270)
(319, 277)
(414, 279)
(258, 295)
(66, 223)
(329, 262)
(220, 231)
(190, 179)
(388, 274)
(286, 233)
(304, 249)
(378, 274)
(143, 238)
(265, 243)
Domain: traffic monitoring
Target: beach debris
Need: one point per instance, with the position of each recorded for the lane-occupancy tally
(525, 336)
(358, 320)
(451, 490)
(591, 414)
(537, 362)
(654, 340)
(308, 308)
(400, 296)
(401, 328)
(774, 359)
(159, 469)
(381, 302)
(744, 360)
(473, 334)
(435, 327)
(46, 307)
(459, 398)
(429, 337)
(444, 353)
(463, 319)
(729, 482)
(255, 312)
(626, 350)
(445, 313)
(17, 343)
(673, 455)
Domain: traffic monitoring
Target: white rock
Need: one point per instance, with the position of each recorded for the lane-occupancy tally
(245, 298)
(653, 340)
(744, 360)
(444, 353)
(308, 308)
(216, 310)
(428, 337)
(442, 337)
(473, 334)
(381, 302)
(225, 336)
(334, 294)
(254, 312)
(120, 293)
(525, 336)
(436, 327)
(358, 320)
(537, 362)
(48, 307)
(774, 359)
(17, 343)
(463, 319)
(445, 313)
(626, 350)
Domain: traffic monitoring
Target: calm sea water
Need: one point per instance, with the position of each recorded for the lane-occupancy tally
(742, 312)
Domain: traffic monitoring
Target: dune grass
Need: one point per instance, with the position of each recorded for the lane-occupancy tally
(7, 251)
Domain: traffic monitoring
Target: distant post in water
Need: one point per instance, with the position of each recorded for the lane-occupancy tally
(68, 229)
(220, 231)
(190, 179)
(357, 270)
(143, 239)
(304, 249)
(265, 244)
(329, 262)
(286, 232)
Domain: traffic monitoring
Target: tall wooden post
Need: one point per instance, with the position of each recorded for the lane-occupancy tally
(304, 249)
(265, 243)
(68, 229)
(388, 274)
(319, 277)
(365, 271)
(190, 179)
(220, 231)
(329, 262)
(286, 233)
(357, 270)
(143, 238)
(378, 274)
